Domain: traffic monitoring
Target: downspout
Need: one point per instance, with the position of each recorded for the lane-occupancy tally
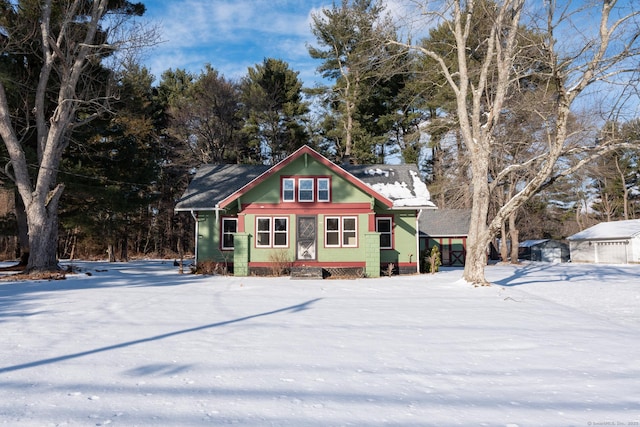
(418, 241)
(195, 246)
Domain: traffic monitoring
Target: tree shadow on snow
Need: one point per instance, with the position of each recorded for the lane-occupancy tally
(291, 309)
(539, 272)
(19, 296)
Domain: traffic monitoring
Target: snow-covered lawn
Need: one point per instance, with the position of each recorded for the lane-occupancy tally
(140, 345)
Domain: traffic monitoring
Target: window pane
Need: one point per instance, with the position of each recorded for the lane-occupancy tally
(305, 193)
(280, 239)
(263, 234)
(280, 224)
(263, 239)
(288, 193)
(349, 239)
(349, 232)
(332, 224)
(264, 224)
(323, 190)
(227, 241)
(332, 238)
(229, 225)
(384, 225)
(349, 223)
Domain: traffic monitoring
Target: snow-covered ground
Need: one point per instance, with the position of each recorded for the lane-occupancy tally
(138, 344)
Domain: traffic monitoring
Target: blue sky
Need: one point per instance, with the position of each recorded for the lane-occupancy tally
(232, 35)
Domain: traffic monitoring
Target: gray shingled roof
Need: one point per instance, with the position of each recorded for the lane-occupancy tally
(445, 222)
(213, 183)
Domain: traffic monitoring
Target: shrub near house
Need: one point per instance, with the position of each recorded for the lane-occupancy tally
(307, 211)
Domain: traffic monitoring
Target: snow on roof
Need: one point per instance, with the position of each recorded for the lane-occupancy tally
(610, 230)
(401, 184)
(377, 171)
(401, 193)
(530, 243)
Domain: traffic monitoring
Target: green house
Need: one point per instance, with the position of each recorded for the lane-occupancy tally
(307, 212)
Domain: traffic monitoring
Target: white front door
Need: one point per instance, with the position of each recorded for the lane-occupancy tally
(306, 238)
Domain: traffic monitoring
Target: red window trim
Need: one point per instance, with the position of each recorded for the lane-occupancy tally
(296, 188)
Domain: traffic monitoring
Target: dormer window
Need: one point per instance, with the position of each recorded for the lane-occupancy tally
(306, 189)
(323, 189)
(288, 190)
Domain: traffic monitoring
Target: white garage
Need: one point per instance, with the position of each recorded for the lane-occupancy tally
(615, 242)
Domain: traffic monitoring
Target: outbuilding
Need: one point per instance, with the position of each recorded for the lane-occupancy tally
(448, 229)
(615, 242)
(544, 250)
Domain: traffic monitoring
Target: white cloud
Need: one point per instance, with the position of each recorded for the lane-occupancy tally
(232, 35)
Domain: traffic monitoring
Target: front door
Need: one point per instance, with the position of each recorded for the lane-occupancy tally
(306, 238)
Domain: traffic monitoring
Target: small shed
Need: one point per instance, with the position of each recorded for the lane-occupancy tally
(447, 228)
(615, 242)
(544, 250)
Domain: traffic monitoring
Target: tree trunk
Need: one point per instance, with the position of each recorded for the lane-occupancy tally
(111, 253)
(23, 230)
(504, 249)
(514, 236)
(479, 237)
(43, 236)
(625, 190)
(74, 242)
(124, 249)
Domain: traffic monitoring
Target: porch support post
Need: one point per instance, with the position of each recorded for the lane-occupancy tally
(241, 254)
(372, 254)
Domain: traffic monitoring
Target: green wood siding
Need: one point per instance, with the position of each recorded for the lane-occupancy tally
(342, 191)
(404, 238)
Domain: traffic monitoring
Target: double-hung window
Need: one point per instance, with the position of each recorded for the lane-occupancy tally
(341, 231)
(280, 232)
(323, 189)
(229, 228)
(305, 189)
(288, 190)
(384, 226)
(272, 232)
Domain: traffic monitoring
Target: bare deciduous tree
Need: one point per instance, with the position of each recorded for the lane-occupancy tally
(69, 39)
(600, 58)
